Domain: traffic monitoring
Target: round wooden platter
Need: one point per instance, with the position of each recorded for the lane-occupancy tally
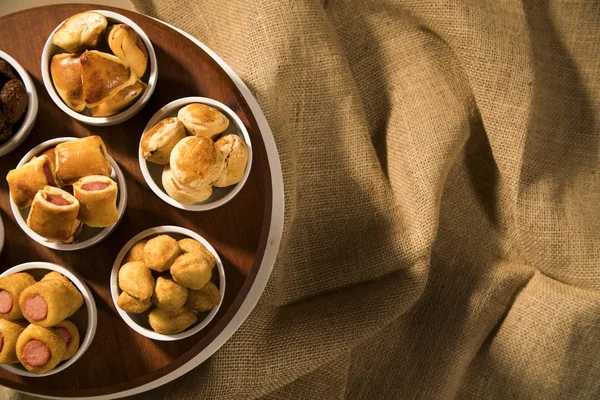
(245, 232)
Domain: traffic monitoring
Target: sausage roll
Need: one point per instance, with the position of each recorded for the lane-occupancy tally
(97, 196)
(70, 334)
(49, 301)
(81, 157)
(9, 333)
(40, 349)
(53, 215)
(25, 181)
(11, 287)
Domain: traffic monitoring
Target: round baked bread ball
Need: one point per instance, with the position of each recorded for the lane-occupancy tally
(136, 253)
(202, 120)
(180, 193)
(169, 322)
(168, 294)
(159, 141)
(196, 162)
(235, 158)
(137, 280)
(189, 245)
(191, 270)
(204, 299)
(132, 305)
(160, 252)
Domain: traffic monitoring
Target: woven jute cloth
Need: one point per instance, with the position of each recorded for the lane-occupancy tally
(442, 193)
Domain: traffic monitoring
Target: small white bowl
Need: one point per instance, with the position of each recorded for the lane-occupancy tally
(86, 318)
(50, 49)
(1, 235)
(153, 172)
(32, 108)
(139, 322)
(88, 236)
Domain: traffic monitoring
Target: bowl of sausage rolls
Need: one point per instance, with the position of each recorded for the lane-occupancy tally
(68, 193)
(99, 67)
(195, 154)
(48, 319)
(167, 283)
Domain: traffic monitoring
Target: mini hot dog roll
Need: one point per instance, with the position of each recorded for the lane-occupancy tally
(40, 349)
(81, 157)
(97, 197)
(25, 181)
(11, 287)
(204, 299)
(53, 214)
(168, 294)
(9, 333)
(49, 301)
(133, 305)
(168, 323)
(136, 253)
(70, 285)
(70, 334)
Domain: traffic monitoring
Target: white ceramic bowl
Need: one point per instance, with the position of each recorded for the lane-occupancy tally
(153, 172)
(88, 236)
(86, 318)
(50, 49)
(1, 235)
(32, 108)
(139, 322)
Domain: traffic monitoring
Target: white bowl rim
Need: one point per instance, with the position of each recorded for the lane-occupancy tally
(114, 287)
(159, 115)
(90, 305)
(86, 243)
(32, 108)
(1, 234)
(123, 116)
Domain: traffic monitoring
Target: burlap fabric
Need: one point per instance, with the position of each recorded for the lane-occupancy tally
(442, 227)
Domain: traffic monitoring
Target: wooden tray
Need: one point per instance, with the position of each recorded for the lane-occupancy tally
(246, 231)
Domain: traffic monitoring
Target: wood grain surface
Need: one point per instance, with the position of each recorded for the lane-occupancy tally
(119, 358)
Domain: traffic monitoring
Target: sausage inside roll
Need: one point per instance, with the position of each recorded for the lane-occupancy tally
(40, 349)
(97, 197)
(49, 301)
(11, 287)
(81, 157)
(9, 333)
(53, 215)
(25, 181)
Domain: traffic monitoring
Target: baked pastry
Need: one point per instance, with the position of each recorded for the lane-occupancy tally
(53, 215)
(204, 299)
(189, 245)
(195, 162)
(160, 252)
(168, 323)
(11, 287)
(133, 305)
(103, 76)
(180, 193)
(137, 280)
(70, 334)
(97, 195)
(192, 270)
(126, 44)
(40, 349)
(136, 253)
(168, 294)
(9, 333)
(235, 158)
(65, 281)
(80, 31)
(81, 157)
(202, 120)
(49, 301)
(159, 141)
(25, 181)
(51, 154)
(120, 101)
(65, 70)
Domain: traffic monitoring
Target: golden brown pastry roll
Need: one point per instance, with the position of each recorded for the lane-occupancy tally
(97, 197)
(120, 101)
(160, 252)
(9, 333)
(11, 287)
(80, 31)
(168, 294)
(136, 279)
(51, 154)
(180, 193)
(168, 323)
(191, 270)
(70, 334)
(202, 120)
(49, 301)
(65, 70)
(53, 215)
(196, 162)
(136, 253)
(126, 44)
(103, 76)
(189, 245)
(75, 293)
(159, 141)
(133, 305)
(25, 181)
(40, 349)
(82, 157)
(204, 299)
(235, 158)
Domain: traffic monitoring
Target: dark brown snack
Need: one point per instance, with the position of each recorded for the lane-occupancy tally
(13, 98)
(5, 128)
(6, 72)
